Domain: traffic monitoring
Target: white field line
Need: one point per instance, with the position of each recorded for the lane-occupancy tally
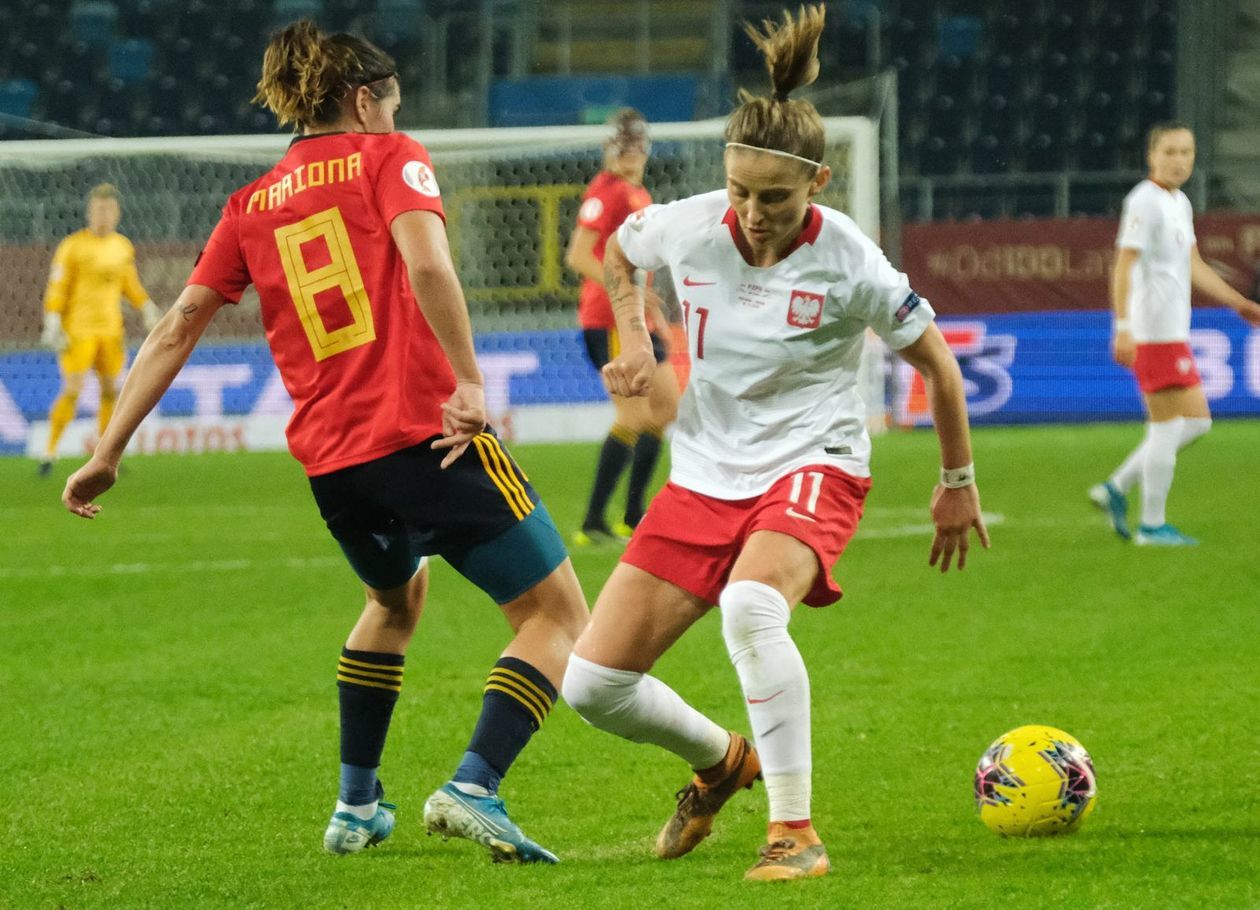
(919, 529)
(189, 567)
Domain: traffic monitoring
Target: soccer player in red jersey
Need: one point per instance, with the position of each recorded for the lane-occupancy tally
(635, 436)
(345, 241)
(769, 458)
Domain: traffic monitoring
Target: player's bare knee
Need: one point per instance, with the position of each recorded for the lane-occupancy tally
(72, 385)
(557, 601)
(400, 607)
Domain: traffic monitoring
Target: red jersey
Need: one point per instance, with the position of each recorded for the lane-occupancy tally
(363, 368)
(608, 202)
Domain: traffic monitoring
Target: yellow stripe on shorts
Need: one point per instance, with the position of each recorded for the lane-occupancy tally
(492, 469)
(505, 472)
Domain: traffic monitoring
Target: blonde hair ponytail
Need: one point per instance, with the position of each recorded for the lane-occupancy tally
(306, 74)
(778, 122)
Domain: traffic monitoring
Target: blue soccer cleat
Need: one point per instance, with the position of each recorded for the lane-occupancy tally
(1113, 502)
(1164, 535)
(347, 833)
(483, 819)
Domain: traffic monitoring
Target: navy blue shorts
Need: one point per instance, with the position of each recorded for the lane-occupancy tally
(481, 515)
(602, 345)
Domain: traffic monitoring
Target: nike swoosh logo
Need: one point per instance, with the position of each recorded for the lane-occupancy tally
(762, 701)
(687, 282)
(792, 513)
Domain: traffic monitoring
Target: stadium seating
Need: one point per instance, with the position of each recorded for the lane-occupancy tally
(1068, 84)
(985, 86)
(17, 96)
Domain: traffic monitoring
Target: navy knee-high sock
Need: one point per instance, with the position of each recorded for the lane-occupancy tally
(517, 700)
(613, 458)
(368, 683)
(647, 451)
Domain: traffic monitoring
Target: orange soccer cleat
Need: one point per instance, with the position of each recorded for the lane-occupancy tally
(790, 853)
(702, 798)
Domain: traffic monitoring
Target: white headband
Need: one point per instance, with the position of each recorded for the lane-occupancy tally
(757, 148)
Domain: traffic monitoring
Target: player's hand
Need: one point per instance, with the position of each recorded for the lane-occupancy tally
(463, 418)
(86, 484)
(54, 338)
(150, 315)
(630, 374)
(955, 512)
(1123, 349)
(1250, 311)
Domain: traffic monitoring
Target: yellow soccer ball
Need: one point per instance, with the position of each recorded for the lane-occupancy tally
(1035, 781)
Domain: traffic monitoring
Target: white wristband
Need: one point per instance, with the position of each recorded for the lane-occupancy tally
(1123, 325)
(957, 478)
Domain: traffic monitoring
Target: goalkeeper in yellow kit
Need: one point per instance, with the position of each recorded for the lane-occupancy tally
(91, 271)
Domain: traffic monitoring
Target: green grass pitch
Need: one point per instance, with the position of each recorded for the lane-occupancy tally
(169, 710)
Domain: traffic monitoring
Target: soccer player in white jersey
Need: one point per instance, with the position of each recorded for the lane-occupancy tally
(1157, 263)
(770, 457)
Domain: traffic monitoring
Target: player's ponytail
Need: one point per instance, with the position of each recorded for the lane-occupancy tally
(306, 74)
(779, 122)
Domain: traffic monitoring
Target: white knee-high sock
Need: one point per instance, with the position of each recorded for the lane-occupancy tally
(1125, 477)
(643, 709)
(1192, 428)
(776, 691)
(1158, 467)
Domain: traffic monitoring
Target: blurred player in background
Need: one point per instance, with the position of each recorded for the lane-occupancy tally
(1157, 264)
(770, 457)
(345, 241)
(92, 270)
(635, 436)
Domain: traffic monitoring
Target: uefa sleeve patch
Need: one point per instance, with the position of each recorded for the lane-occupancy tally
(591, 210)
(908, 306)
(419, 176)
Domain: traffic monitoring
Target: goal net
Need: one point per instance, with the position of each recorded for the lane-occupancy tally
(511, 197)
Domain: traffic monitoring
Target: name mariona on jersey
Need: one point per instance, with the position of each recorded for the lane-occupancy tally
(304, 177)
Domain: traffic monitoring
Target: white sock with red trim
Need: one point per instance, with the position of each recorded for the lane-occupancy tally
(1158, 467)
(642, 709)
(776, 691)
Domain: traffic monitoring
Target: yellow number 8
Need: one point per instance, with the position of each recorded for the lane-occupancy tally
(342, 271)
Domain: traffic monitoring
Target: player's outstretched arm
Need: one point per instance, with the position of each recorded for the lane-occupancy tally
(421, 239)
(160, 359)
(1204, 278)
(955, 500)
(629, 374)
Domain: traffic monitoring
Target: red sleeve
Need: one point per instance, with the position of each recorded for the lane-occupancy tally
(598, 209)
(221, 263)
(405, 180)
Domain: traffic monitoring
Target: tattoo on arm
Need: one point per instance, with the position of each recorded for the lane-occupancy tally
(621, 292)
(188, 310)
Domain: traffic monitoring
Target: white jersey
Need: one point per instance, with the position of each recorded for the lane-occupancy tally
(1159, 224)
(775, 351)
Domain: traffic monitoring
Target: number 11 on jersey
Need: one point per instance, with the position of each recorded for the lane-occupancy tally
(702, 318)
